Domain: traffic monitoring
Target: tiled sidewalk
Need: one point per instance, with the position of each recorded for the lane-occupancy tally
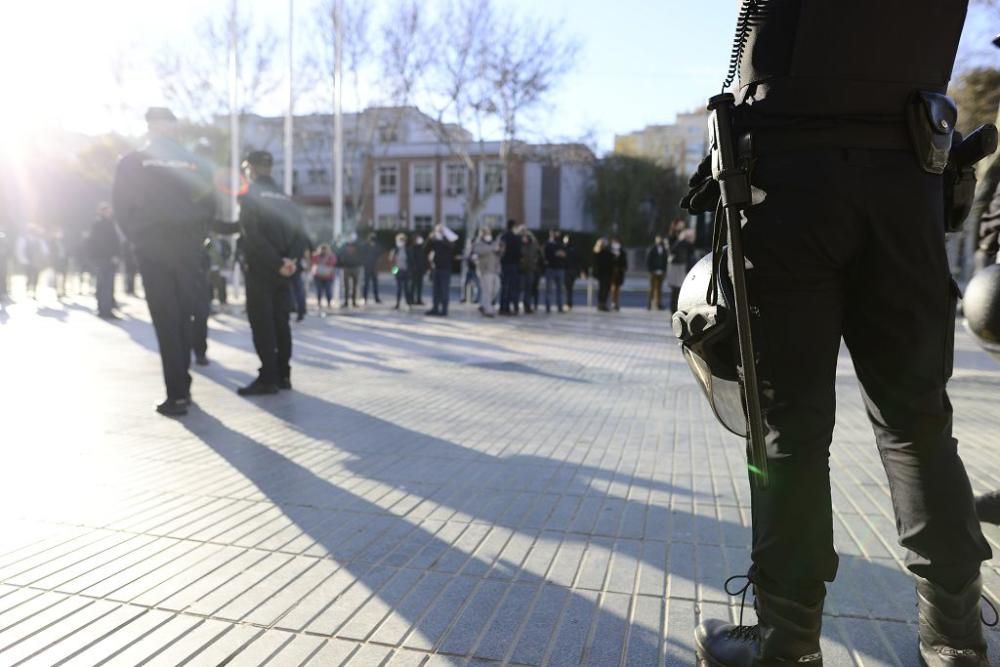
(546, 491)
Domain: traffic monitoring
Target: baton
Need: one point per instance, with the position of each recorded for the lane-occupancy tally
(734, 184)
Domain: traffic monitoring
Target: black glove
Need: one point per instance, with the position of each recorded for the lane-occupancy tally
(703, 193)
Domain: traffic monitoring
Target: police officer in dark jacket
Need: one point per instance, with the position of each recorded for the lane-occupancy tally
(846, 240)
(103, 248)
(272, 243)
(164, 200)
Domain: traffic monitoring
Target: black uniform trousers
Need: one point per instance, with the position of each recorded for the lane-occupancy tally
(173, 290)
(202, 309)
(269, 303)
(850, 244)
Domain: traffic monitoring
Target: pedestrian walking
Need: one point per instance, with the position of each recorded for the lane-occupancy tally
(324, 266)
(371, 253)
(401, 258)
(510, 269)
(418, 270)
(104, 248)
(271, 229)
(303, 269)
(164, 200)
(657, 262)
(555, 270)
(487, 250)
(441, 255)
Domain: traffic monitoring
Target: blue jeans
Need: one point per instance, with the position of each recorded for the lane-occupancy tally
(442, 291)
(554, 279)
(510, 287)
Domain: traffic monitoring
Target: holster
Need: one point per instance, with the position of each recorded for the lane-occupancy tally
(930, 119)
(959, 195)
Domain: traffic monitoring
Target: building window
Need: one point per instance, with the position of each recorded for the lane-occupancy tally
(423, 179)
(317, 176)
(388, 133)
(423, 222)
(454, 222)
(386, 222)
(493, 179)
(455, 179)
(388, 179)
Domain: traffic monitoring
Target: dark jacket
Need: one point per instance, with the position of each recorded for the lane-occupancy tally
(854, 58)
(573, 266)
(555, 255)
(682, 253)
(350, 255)
(619, 266)
(531, 257)
(103, 244)
(164, 201)
(512, 244)
(603, 264)
(371, 253)
(418, 259)
(441, 254)
(657, 258)
(271, 226)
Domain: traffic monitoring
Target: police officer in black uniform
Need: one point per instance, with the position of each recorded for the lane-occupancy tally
(163, 197)
(272, 244)
(846, 240)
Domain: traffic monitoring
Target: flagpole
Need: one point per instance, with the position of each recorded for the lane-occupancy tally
(338, 121)
(234, 120)
(289, 137)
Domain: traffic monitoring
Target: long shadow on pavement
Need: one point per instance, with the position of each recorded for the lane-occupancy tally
(427, 467)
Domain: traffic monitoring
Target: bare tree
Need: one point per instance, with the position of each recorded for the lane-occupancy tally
(194, 79)
(492, 71)
(392, 53)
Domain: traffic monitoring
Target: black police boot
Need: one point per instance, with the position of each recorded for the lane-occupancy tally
(174, 407)
(285, 383)
(949, 625)
(258, 388)
(787, 633)
(988, 507)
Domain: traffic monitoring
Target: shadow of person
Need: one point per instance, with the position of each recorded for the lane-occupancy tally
(448, 606)
(567, 500)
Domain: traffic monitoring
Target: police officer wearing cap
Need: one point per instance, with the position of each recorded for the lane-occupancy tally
(843, 124)
(272, 242)
(164, 199)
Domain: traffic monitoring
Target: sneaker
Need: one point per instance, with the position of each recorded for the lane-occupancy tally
(174, 407)
(258, 388)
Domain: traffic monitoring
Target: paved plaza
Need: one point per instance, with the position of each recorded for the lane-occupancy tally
(540, 491)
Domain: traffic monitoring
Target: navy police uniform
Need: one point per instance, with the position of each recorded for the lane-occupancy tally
(270, 225)
(847, 242)
(164, 201)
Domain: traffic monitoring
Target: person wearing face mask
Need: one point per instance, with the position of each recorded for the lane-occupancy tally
(619, 266)
(401, 260)
(487, 250)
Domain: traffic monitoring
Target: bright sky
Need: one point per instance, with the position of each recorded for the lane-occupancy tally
(642, 60)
